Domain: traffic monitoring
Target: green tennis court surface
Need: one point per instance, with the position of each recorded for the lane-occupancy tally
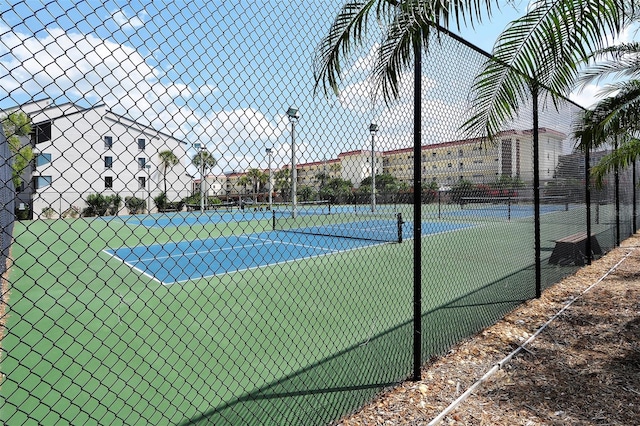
(279, 331)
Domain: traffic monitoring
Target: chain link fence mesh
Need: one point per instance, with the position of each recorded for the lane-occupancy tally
(167, 266)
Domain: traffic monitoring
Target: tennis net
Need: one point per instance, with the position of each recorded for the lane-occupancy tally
(513, 206)
(383, 227)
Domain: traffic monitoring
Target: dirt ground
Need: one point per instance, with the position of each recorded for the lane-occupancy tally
(582, 368)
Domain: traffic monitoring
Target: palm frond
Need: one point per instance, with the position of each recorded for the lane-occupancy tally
(626, 153)
(620, 61)
(546, 46)
(612, 117)
(348, 28)
(408, 23)
(408, 31)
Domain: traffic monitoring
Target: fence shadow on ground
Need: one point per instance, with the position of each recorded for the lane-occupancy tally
(316, 394)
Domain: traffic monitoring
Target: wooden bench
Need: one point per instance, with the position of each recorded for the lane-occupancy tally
(572, 249)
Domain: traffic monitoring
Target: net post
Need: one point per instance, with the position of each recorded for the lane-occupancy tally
(329, 204)
(273, 219)
(400, 227)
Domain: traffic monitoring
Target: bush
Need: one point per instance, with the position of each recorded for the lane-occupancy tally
(194, 200)
(22, 214)
(135, 205)
(100, 205)
(164, 205)
(48, 212)
(160, 201)
(72, 212)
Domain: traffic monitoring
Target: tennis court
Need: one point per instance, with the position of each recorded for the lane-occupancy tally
(176, 262)
(267, 313)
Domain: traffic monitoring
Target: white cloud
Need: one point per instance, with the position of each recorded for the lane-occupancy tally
(586, 97)
(126, 22)
(76, 66)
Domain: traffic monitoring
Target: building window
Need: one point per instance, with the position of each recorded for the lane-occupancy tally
(142, 181)
(43, 181)
(108, 142)
(43, 132)
(449, 165)
(42, 159)
(460, 153)
(108, 162)
(108, 182)
(141, 163)
(433, 154)
(141, 144)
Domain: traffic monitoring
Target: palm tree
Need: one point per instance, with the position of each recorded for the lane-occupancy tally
(615, 119)
(257, 177)
(204, 158)
(407, 26)
(545, 48)
(203, 161)
(244, 181)
(167, 160)
(282, 183)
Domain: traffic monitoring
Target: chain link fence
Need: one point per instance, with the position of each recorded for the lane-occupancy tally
(201, 239)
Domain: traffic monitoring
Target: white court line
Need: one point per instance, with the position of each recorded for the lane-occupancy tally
(290, 243)
(277, 263)
(153, 278)
(264, 242)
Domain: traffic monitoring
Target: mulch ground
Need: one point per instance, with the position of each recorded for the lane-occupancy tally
(583, 368)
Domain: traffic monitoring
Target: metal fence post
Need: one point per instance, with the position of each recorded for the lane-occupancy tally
(536, 186)
(417, 213)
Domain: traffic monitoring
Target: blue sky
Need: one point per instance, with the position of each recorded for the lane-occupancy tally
(216, 72)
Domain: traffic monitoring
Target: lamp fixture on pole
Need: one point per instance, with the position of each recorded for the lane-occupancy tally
(373, 128)
(293, 118)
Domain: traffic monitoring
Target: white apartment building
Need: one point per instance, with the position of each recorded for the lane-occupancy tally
(81, 151)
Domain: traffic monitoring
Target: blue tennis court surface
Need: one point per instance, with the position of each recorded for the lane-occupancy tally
(177, 262)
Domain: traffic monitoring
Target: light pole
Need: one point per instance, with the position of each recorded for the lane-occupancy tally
(293, 117)
(148, 167)
(268, 151)
(201, 149)
(373, 128)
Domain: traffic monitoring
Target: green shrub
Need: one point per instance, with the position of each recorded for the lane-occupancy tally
(71, 212)
(135, 205)
(100, 205)
(161, 201)
(48, 212)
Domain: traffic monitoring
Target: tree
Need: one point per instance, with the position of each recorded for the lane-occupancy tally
(614, 120)
(545, 48)
(14, 126)
(203, 160)
(244, 181)
(336, 188)
(282, 183)
(407, 26)
(167, 160)
(206, 158)
(306, 193)
(257, 178)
